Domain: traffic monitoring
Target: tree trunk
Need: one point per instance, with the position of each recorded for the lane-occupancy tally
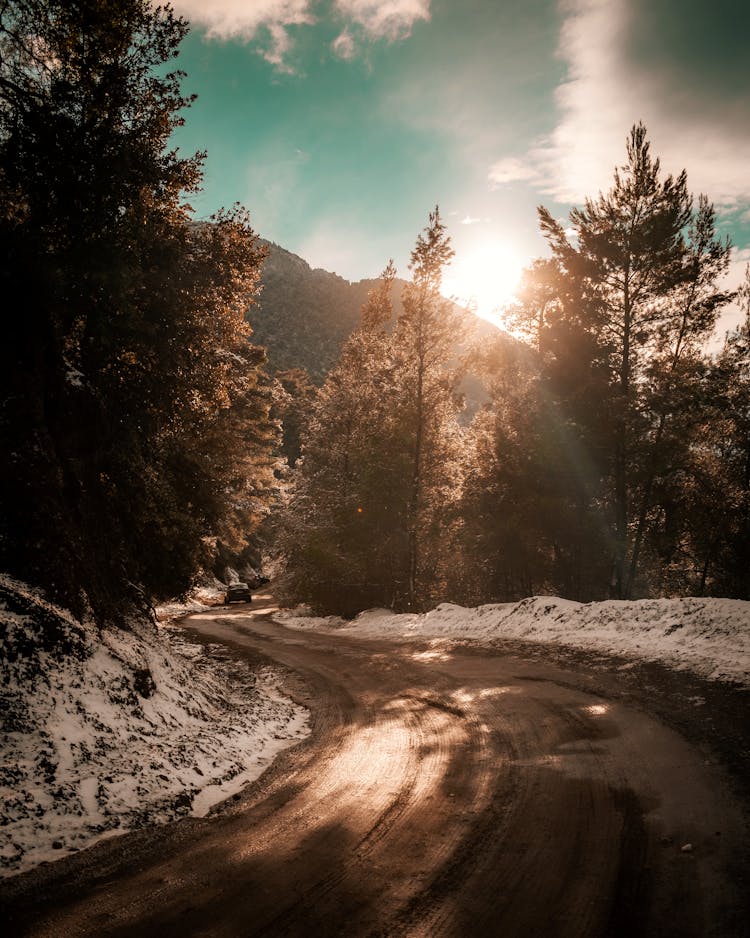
(621, 451)
(648, 487)
(643, 512)
(707, 562)
(416, 487)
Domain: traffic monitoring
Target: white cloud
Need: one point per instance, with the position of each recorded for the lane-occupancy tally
(512, 169)
(469, 220)
(231, 19)
(240, 19)
(343, 46)
(595, 113)
(281, 43)
(269, 22)
(385, 19)
(606, 90)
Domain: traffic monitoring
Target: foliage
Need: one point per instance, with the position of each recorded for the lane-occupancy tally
(304, 316)
(426, 334)
(343, 528)
(369, 523)
(134, 411)
(293, 408)
(642, 277)
(530, 503)
(589, 450)
(718, 487)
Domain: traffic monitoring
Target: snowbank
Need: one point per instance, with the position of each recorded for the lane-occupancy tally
(201, 599)
(104, 731)
(710, 637)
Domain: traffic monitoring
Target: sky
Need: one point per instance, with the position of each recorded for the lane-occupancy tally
(341, 123)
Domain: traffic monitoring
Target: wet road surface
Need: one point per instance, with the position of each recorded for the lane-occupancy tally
(441, 793)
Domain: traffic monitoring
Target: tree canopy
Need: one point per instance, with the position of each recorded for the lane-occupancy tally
(370, 521)
(603, 425)
(134, 409)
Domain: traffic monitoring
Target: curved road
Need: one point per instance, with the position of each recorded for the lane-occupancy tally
(440, 794)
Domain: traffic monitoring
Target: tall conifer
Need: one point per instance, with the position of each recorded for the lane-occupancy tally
(643, 265)
(132, 405)
(369, 522)
(427, 334)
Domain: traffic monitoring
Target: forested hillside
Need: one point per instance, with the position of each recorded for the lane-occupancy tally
(611, 459)
(302, 315)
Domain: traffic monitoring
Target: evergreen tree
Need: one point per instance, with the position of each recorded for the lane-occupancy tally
(371, 520)
(643, 266)
(133, 407)
(531, 503)
(293, 407)
(718, 497)
(344, 529)
(538, 297)
(427, 333)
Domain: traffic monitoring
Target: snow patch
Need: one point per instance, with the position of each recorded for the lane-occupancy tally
(104, 730)
(710, 637)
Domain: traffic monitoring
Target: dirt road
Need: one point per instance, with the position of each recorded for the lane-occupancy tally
(441, 792)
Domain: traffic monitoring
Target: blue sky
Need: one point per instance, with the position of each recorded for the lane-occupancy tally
(340, 124)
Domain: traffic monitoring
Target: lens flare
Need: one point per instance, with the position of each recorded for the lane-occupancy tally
(485, 278)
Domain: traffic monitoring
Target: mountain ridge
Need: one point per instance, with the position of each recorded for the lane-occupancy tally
(303, 314)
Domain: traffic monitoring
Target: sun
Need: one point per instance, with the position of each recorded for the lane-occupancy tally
(484, 277)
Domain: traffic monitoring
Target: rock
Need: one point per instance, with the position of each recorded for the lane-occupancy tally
(183, 801)
(686, 848)
(143, 682)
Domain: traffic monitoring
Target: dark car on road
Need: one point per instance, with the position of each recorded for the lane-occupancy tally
(237, 593)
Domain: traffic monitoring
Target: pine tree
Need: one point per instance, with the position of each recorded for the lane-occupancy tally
(718, 505)
(644, 266)
(131, 397)
(427, 333)
(343, 536)
(293, 406)
(531, 503)
(371, 519)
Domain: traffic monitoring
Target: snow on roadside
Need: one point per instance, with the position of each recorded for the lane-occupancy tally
(102, 731)
(710, 637)
(201, 599)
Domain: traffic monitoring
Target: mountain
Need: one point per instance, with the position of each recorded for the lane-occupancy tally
(303, 315)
